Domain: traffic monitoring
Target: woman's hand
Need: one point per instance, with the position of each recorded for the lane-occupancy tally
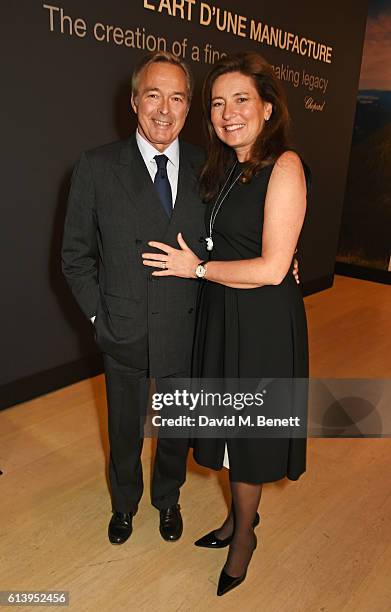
(174, 262)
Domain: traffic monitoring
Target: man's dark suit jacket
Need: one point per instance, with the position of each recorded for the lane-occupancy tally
(113, 211)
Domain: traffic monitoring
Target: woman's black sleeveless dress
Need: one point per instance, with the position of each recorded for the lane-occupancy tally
(249, 333)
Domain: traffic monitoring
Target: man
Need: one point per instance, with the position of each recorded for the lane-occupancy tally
(122, 196)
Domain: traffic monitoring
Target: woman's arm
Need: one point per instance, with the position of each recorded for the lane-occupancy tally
(283, 219)
(295, 272)
(285, 207)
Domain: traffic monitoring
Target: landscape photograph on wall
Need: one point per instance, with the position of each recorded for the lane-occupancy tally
(365, 238)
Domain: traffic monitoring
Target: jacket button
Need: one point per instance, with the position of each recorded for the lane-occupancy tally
(155, 312)
(190, 310)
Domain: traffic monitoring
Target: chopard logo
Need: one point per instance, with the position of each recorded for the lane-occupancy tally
(311, 105)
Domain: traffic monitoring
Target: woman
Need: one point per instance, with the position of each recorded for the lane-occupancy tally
(251, 319)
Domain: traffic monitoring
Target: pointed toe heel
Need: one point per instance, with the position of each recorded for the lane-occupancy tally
(227, 582)
(210, 540)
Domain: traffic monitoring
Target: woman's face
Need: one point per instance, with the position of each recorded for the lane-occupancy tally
(238, 112)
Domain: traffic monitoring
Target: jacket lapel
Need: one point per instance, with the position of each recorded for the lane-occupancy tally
(186, 187)
(132, 173)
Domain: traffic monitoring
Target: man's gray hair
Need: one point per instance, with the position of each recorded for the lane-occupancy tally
(164, 57)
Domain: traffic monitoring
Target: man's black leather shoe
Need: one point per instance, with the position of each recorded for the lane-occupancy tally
(171, 525)
(120, 527)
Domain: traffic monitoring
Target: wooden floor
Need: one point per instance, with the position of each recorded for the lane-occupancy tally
(324, 543)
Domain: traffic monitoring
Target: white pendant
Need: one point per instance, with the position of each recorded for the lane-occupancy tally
(209, 243)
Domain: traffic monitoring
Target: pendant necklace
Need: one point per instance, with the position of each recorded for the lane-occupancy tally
(218, 203)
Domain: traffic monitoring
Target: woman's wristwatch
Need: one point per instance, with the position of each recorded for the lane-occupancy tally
(201, 269)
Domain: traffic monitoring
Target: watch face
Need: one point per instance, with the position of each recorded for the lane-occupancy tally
(200, 271)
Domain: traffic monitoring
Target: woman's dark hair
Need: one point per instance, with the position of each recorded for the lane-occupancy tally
(271, 142)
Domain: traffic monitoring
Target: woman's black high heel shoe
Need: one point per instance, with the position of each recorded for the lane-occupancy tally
(227, 582)
(210, 540)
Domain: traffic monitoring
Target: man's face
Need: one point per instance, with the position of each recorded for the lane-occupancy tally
(161, 103)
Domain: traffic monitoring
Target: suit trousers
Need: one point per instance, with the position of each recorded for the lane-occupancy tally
(127, 392)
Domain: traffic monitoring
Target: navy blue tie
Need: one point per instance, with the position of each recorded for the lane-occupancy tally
(162, 184)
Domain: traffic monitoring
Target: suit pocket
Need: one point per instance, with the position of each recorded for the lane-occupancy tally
(119, 306)
(120, 321)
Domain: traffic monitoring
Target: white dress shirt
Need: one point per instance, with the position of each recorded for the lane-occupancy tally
(148, 153)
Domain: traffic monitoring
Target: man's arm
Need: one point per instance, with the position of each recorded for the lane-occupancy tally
(79, 248)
